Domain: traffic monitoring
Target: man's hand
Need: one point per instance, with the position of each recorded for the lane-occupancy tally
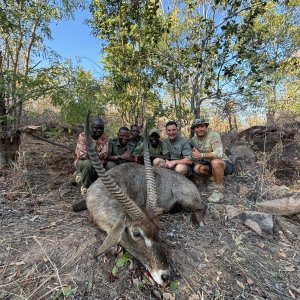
(170, 163)
(128, 157)
(196, 154)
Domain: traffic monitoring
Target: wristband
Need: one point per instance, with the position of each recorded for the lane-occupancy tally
(119, 157)
(202, 155)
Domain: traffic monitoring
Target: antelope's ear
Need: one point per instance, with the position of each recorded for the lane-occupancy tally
(113, 237)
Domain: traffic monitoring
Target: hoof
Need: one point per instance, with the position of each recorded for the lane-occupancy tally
(79, 206)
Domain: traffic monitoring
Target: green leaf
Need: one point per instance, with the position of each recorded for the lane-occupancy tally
(123, 260)
(115, 270)
(173, 286)
(67, 291)
(274, 274)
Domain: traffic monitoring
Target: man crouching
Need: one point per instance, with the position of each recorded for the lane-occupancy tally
(209, 158)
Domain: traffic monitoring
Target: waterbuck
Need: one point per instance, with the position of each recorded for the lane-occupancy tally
(126, 201)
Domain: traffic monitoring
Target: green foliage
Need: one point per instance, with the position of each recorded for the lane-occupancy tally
(131, 31)
(23, 31)
(173, 286)
(205, 54)
(79, 92)
(123, 261)
(278, 55)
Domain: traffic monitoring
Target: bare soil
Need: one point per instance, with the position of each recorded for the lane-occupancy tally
(46, 250)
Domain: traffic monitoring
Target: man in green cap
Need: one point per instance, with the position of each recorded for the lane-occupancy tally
(209, 158)
(156, 146)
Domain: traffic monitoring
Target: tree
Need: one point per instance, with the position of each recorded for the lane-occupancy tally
(24, 28)
(205, 56)
(131, 31)
(279, 32)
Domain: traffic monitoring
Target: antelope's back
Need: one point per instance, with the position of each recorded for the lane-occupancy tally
(171, 188)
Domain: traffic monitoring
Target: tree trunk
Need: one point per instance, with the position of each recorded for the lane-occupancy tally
(230, 122)
(235, 126)
(9, 146)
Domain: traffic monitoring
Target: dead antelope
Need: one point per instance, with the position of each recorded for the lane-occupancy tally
(137, 230)
(125, 203)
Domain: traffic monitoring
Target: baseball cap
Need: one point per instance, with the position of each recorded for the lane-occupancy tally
(153, 130)
(199, 121)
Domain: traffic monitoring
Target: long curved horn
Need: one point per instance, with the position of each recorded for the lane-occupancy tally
(130, 206)
(150, 179)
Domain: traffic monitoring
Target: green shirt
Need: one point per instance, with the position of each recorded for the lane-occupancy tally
(136, 142)
(178, 148)
(115, 148)
(210, 143)
(152, 150)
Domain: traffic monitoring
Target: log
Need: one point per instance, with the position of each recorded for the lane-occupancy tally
(283, 207)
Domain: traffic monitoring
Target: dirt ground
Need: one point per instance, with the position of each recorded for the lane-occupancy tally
(46, 249)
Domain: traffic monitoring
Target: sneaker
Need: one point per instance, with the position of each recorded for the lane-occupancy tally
(215, 197)
(216, 192)
(83, 191)
(211, 185)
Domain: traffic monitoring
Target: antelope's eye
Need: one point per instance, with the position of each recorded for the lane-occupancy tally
(136, 234)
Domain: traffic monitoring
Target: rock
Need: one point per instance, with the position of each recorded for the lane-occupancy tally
(231, 211)
(288, 162)
(260, 223)
(168, 296)
(290, 229)
(284, 207)
(281, 144)
(242, 156)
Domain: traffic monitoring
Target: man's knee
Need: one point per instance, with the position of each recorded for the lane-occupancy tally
(196, 169)
(159, 162)
(217, 164)
(182, 169)
(200, 169)
(84, 166)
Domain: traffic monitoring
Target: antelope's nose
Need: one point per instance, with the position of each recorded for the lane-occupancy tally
(165, 277)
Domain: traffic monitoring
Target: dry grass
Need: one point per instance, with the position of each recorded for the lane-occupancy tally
(46, 250)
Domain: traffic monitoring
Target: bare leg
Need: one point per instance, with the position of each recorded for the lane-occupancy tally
(202, 170)
(159, 162)
(181, 169)
(218, 167)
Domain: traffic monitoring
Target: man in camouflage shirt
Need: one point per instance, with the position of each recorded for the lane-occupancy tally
(209, 158)
(120, 150)
(178, 149)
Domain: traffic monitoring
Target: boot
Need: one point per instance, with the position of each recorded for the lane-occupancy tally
(216, 192)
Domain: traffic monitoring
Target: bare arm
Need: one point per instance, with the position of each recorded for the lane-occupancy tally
(184, 161)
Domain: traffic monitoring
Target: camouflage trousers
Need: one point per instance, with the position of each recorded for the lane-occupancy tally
(87, 173)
